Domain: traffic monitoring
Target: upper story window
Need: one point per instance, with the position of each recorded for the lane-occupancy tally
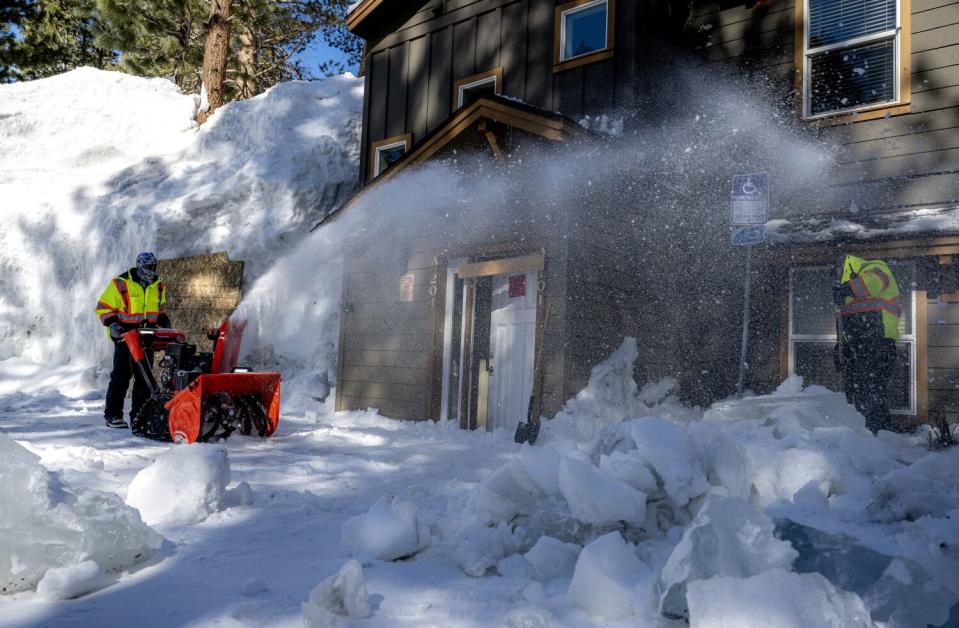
(584, 33)
(385, 153)
(852, 56)
(476, 86)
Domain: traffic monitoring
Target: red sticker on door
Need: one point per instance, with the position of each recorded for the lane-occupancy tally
(517, 286)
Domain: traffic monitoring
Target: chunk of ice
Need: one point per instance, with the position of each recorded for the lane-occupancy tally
(390, 529)
(338, 599)
(606, 578)
(774, 598)
(727, 538)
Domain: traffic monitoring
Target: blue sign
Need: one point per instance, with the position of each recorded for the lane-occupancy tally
(747, 235)
(750, 199)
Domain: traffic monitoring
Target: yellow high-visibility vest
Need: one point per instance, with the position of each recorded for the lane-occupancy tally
(874, 289)
(131, 303)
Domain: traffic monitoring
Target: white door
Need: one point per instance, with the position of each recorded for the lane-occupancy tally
(512, 349)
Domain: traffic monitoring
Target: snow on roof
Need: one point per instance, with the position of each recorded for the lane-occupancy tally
(942, 220)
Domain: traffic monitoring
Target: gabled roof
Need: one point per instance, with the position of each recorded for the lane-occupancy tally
(368, 16)
(546, 124)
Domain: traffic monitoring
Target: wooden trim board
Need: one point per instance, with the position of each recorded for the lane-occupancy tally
(525, 264)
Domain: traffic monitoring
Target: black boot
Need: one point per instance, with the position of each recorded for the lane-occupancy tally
(117, 422)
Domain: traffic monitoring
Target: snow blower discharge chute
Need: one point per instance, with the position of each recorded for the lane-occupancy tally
(202, 396)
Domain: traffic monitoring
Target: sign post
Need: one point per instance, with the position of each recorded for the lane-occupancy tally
(749, 212)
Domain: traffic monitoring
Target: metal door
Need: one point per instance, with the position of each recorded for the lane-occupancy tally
(512, 349)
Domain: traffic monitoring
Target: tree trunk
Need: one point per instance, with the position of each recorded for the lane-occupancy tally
(246, 59)
(215, 56)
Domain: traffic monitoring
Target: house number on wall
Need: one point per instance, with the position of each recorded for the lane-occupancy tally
(434, 281)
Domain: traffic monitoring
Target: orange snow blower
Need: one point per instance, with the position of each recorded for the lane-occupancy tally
(202, 396)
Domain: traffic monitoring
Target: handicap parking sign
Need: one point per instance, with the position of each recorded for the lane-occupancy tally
(750, 199)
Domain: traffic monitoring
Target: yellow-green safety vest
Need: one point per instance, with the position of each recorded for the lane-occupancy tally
(874, 289)
(131, 303)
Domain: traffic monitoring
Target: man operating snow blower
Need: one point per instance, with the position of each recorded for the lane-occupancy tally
(133, 300)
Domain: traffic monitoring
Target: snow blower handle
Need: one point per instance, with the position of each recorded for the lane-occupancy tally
(157, 339)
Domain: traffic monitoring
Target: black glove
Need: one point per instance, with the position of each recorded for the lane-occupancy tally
(840, 292)
(163, 320)
(116, 332)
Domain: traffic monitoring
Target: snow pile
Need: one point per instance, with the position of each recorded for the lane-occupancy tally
(184, 485)
(690, 514)
(338, 599)
(44, 525)
(775, 598)
(96, 166)
(389, 530)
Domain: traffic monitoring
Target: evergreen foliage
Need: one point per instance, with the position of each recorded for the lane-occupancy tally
(13, 13)
(156, 37)
(58, 35)
(166, 38)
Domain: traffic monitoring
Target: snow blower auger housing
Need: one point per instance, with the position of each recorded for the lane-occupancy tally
(202, 396)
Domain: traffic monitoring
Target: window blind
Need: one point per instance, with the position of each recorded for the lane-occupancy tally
(836, 21)
(851, 77)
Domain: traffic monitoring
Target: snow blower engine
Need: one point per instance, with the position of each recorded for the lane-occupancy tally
(202, 396)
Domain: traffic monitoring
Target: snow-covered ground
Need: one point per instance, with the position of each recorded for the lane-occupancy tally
(772, 511)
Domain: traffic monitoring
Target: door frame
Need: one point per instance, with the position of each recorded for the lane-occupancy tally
(469, 269)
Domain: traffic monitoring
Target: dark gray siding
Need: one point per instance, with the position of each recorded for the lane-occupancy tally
(903, 161)
(411, 72)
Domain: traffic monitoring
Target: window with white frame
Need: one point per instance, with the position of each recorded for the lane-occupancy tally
(477, 86)
(584, 27)
(387, 152)
(851, 55)
(812, 332)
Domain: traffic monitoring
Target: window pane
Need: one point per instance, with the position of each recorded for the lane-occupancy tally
(469, 94)
(386, 157)
(815, 362)
(812, 307)
(900, 388)
(852, 77)
(835, 21)
(905, 275)
(585, 31)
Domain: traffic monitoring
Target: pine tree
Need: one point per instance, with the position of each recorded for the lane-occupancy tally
(13, 13)
(58, 35)
(156, 37)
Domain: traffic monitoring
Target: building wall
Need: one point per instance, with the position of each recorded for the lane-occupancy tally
(410, 73)
(898, 162)
(390, 350)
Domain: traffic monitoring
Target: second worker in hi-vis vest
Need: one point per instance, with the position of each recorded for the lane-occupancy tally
(868, 306)
(134, 299)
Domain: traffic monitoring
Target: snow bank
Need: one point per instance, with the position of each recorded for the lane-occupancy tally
(390, 529)
(96, 166)
(184, 485)
(774, 598)
(338, 599)
(45, 525)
